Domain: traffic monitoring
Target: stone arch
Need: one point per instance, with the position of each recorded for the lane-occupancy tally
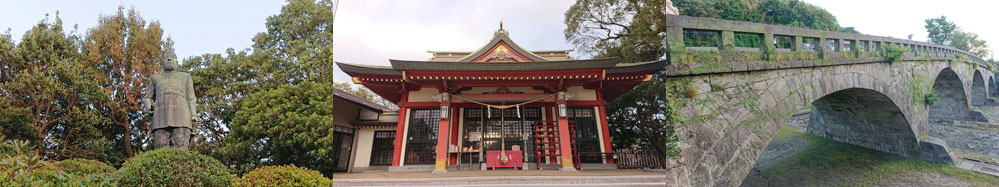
(866, 118)
(978, 92)
(731, 126)
(992, 87)
(952, 103)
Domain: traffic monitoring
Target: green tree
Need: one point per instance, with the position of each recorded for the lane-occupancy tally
(849, 30)
(794, 13)
(646, 117)
(125, 50)
(220, 81)
(293, 58)
(284, 125)
(15, 123)
(621, 28)
(298, 42)
(940, 30)
(45, 73)
(946, 32)
(969, 42)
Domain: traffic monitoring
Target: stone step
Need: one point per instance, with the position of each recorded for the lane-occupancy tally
(632, 180)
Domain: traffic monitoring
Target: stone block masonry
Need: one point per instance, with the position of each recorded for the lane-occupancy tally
(878, 105)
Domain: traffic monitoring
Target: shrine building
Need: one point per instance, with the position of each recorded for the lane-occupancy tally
(501, 106)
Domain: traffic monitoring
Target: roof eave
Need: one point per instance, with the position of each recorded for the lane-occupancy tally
(639, 66)
(504, 66)
(352, 69)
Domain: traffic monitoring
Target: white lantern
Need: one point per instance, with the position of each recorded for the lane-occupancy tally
(444, 111)
(562, 111)
(561, 106)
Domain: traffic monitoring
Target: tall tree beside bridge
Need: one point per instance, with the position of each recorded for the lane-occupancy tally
(940, 30)
(634, 30)
(946, 32)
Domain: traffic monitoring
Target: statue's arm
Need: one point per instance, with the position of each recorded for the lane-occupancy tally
(192, 99)
(149, 96)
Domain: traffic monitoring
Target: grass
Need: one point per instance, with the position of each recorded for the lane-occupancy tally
(824, 162)
(898, 170)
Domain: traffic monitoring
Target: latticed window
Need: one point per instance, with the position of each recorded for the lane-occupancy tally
(587, 135)
(422, 136)
(382, 148)
(502, 127)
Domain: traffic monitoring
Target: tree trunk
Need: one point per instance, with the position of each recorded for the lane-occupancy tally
(126, 138)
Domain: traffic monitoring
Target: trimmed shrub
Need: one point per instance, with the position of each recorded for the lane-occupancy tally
(86, 171)
(173, 167)
(287, 175)
(79, 166)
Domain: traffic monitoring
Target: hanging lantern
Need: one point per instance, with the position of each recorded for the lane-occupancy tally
(444, 111)
(562, 111)
(445, 98)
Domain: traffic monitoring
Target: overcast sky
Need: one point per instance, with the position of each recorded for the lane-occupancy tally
(373, 31)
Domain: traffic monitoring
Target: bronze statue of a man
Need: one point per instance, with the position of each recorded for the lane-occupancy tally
(173, 110)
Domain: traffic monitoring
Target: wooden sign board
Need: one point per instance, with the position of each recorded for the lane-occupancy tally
(474, 136)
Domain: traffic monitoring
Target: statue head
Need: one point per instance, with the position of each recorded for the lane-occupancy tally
(169, 60)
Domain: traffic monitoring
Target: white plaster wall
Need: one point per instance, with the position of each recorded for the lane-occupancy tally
(581, 94)
(365, 137)
(424, 95)
(480, 90)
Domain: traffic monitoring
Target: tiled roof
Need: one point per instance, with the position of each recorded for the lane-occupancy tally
(505, 66)
(613, 65)
(359, 101)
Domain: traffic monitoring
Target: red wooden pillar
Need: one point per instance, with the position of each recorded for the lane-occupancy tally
(400, 130)
(455, 114)
(605, 133)
(565, 144)
(604, 126)
(442, 135)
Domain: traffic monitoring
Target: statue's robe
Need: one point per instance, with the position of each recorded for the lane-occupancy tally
(173, 93)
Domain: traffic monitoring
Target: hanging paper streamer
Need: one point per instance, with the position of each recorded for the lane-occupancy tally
(503, 106)
(518, 111)
(489, 112)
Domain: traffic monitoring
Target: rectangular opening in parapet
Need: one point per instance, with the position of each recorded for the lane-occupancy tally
(748, 40)
(809, 44)
(832, 44)
(783, 42)
(701, 38)
(849, 45)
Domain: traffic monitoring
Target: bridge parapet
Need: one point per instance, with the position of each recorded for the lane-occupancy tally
(705, 45)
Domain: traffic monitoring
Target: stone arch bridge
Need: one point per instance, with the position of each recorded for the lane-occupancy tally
(745, 80)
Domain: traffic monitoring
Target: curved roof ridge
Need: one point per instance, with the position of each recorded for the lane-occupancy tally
(501, 35)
